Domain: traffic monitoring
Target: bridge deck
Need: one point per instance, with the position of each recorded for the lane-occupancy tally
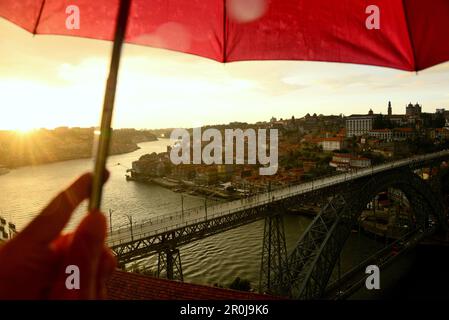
(177, 220)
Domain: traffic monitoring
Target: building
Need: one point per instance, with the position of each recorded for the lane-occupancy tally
(150, 166)
(442, 133)
(348, 162)
(413, 111)
(396, 134)
(402, 134)
(397, 120)
(358, 125)
(331, 144)
(382, 134)
(443, 112)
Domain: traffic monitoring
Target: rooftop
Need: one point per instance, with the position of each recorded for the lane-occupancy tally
(362, 115)
(133, 286)
(404, 129)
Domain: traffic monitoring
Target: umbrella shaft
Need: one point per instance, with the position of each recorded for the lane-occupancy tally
(102, 148)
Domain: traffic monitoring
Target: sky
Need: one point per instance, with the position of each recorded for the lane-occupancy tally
(51, 81)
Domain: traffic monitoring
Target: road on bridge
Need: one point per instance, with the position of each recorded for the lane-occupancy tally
(179, 219)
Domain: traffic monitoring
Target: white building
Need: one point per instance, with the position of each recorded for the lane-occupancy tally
(382, 134)
(331, 144)
(358, 125)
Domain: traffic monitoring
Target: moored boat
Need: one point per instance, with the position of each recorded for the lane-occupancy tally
(7, 230)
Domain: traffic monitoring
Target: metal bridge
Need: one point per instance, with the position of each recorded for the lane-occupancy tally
(306, 271)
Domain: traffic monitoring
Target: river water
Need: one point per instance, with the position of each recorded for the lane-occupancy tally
(217, 259)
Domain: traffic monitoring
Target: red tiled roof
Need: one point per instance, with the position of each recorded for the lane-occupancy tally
(132, 286)
(343, 155)
(404, 129)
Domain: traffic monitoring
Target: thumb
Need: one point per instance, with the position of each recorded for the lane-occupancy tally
(85, 253)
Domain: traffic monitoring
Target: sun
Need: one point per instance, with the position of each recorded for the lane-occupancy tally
(24, 130)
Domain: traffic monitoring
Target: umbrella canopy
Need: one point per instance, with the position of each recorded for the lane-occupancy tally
(403, 34)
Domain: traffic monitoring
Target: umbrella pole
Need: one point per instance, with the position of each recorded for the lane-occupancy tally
(102, 141)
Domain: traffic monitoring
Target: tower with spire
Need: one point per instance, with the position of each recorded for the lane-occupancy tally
(390, 110)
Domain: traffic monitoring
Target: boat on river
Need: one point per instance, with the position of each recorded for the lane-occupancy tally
(7, 230)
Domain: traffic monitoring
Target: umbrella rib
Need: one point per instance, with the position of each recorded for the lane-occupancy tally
(39, 17)
(412, 42)
(224, 31)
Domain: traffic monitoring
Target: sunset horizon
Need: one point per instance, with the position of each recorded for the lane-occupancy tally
(64, 87)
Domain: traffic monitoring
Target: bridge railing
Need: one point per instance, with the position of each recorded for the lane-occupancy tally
(124, 234)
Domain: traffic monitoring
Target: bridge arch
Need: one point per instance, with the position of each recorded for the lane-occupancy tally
(424, 202)
(311, 263)
(440, 185)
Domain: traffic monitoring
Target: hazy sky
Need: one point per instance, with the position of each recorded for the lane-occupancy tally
(50, 81)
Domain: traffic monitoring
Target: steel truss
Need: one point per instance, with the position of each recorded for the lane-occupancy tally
(274, 253)
(317, 248)
(169, 262)
(153, 244)
(311, 263)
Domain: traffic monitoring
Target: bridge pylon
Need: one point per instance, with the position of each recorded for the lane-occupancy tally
(274, 253)
(169, 261)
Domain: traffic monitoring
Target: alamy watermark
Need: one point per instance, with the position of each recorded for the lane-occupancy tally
(190, 150)
(72, 282)
(73, 19)
(373, 280)
(373, 20)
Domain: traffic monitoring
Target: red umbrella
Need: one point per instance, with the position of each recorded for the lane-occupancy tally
(403, 34)
(412, 34)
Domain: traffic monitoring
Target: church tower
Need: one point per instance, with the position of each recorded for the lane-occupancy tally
(390, 110)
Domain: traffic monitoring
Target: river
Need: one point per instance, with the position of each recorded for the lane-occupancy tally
(217, 259)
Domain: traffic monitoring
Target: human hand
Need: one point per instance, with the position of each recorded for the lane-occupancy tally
(33, 264)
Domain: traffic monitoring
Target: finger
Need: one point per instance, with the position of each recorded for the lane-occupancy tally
(106, 268)
(86, 251)
(48, 225)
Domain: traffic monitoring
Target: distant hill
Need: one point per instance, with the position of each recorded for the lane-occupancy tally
(45, 146)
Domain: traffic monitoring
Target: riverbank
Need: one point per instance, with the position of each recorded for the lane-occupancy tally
(118, 151)
(182, 186)
(62, 144)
